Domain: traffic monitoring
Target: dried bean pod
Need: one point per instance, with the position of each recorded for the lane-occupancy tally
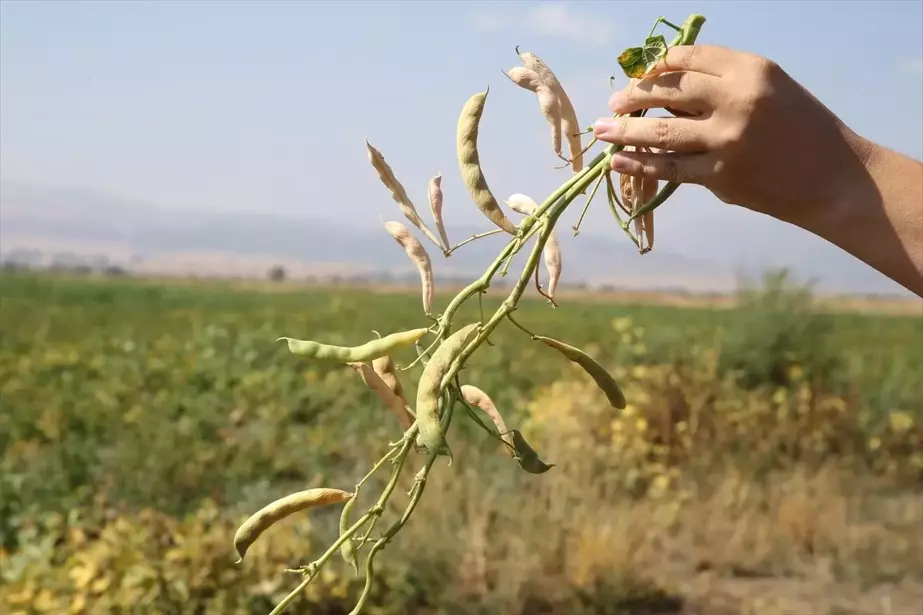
(548, 101)
(263, 519)
(569, 124)
(366, 352)
(481, 400)
(524, 205)
(552, 255)
(435, 205)
(397, 191)
(391, 401)
(414, 249)
(429, 388)
(384, 367)
(636, 192)
(596, 371)
(469, 163)
(527, 457)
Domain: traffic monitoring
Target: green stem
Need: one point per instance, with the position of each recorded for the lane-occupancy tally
(397, 525)
(473, 238)
(587, 206)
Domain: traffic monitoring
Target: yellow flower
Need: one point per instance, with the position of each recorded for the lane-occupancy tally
(874, 444)
(795, 372)
(900, 421)
(622, 324)
(641, 424)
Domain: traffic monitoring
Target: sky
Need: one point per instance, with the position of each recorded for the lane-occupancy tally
(265, 106)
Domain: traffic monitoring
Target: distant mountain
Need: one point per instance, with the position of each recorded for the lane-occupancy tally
(148, 237)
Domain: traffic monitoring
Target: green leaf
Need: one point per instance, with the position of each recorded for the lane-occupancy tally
(637, 61)
(526, 456)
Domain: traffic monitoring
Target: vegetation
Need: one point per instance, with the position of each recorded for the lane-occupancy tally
(770, 458)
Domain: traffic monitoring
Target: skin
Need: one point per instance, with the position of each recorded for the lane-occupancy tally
(753, 136)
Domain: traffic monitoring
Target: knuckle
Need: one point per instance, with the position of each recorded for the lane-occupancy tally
(663, 134)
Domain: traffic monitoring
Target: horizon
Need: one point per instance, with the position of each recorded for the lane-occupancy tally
(263, 108)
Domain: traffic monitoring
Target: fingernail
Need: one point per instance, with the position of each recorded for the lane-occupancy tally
(602, 125)
(619, 163)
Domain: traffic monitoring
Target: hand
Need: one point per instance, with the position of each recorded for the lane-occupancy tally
(745, 130)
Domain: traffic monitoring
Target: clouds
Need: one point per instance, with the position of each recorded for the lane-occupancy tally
(552, 20)
(911, 67)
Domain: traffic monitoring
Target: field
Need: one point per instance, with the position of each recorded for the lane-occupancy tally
(770, 459)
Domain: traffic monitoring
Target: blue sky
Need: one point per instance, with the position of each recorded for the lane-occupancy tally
(264, 106)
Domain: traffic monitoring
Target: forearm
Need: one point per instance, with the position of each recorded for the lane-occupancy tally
(878, 218)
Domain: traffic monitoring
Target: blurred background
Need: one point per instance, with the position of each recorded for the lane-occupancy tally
(182, 183)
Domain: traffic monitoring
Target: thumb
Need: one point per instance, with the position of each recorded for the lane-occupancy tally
(667, 166)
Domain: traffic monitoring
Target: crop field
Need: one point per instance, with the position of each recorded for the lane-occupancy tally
(770, 458)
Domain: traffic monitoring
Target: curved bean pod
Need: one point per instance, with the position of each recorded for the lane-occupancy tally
(263, 519)
(481, 400)
(548, 101)
(429, 388)
(520, 203)
(636, 192)
(392, 402)
(344, 354)
(417, 253)
(348, 548)
(469, 163)
(397, 191)
(570, 125)
(435, 204)
(384, 367)
(596, 371)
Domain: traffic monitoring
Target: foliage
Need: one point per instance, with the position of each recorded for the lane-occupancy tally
(143, 422)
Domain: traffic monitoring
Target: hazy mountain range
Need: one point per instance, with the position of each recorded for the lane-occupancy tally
(145, 237)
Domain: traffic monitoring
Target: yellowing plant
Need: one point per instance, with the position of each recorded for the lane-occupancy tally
(453, 343)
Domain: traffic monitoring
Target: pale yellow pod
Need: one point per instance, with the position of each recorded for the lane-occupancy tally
(435, 205)
(384, 367)
(521, 204)
(569, 123)
(481, 400)
(469, 163)
(636, 192)
(420, 258)
(397, 190)
(263, 519)
(548, 101)
(391, 401)
(525, 205)
(552, 255)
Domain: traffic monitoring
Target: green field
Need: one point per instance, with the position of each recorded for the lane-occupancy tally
(770, 459)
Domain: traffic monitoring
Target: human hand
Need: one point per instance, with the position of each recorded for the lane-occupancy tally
(744, 129)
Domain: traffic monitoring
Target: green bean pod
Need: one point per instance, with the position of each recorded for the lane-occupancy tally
(263, 519)
(526, 456)
(346, 354)
(430, 433)
(469, 163)
(348, 549)
(596, 371)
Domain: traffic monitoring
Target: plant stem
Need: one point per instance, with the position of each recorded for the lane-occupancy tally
(472, 238)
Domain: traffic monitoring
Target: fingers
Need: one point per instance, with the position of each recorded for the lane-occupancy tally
(711, 60)
(677, 134)
(670, 167)
(690, 92)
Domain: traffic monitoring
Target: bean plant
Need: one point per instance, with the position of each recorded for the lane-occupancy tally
(444, 346)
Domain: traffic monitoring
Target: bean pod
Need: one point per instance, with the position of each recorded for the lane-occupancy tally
(263, 519)
(469, 163)
(548, 101)
(417, 254)
(430, 433)
(388, 398)
(345, 354)
(596, 371)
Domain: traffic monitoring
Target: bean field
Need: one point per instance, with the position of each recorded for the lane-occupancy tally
(770, 458)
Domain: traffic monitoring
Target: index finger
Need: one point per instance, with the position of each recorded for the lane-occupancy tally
(712, 60)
